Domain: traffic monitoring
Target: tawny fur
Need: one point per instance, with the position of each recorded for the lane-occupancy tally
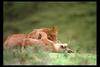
(51, 33)
(45, 36)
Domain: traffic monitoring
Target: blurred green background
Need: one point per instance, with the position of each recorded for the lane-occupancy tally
(76, 21)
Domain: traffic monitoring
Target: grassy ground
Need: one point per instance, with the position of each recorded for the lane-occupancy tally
(40, 57)
(76, 23)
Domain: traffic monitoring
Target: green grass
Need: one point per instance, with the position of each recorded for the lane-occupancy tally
(41, 57)
(74, 59)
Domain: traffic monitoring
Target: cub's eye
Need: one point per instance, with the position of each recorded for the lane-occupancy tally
(62, 46)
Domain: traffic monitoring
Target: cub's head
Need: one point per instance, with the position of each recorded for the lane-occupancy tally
(51, 33)
(63, 47)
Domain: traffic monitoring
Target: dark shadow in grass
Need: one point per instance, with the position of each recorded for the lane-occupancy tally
(91, 13)
(12, 29)
(34, 22)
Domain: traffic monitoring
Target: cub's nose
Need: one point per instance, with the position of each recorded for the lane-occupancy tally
(70, 51)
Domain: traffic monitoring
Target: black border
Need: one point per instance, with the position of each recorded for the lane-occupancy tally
(1, 29)
(1, 33)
